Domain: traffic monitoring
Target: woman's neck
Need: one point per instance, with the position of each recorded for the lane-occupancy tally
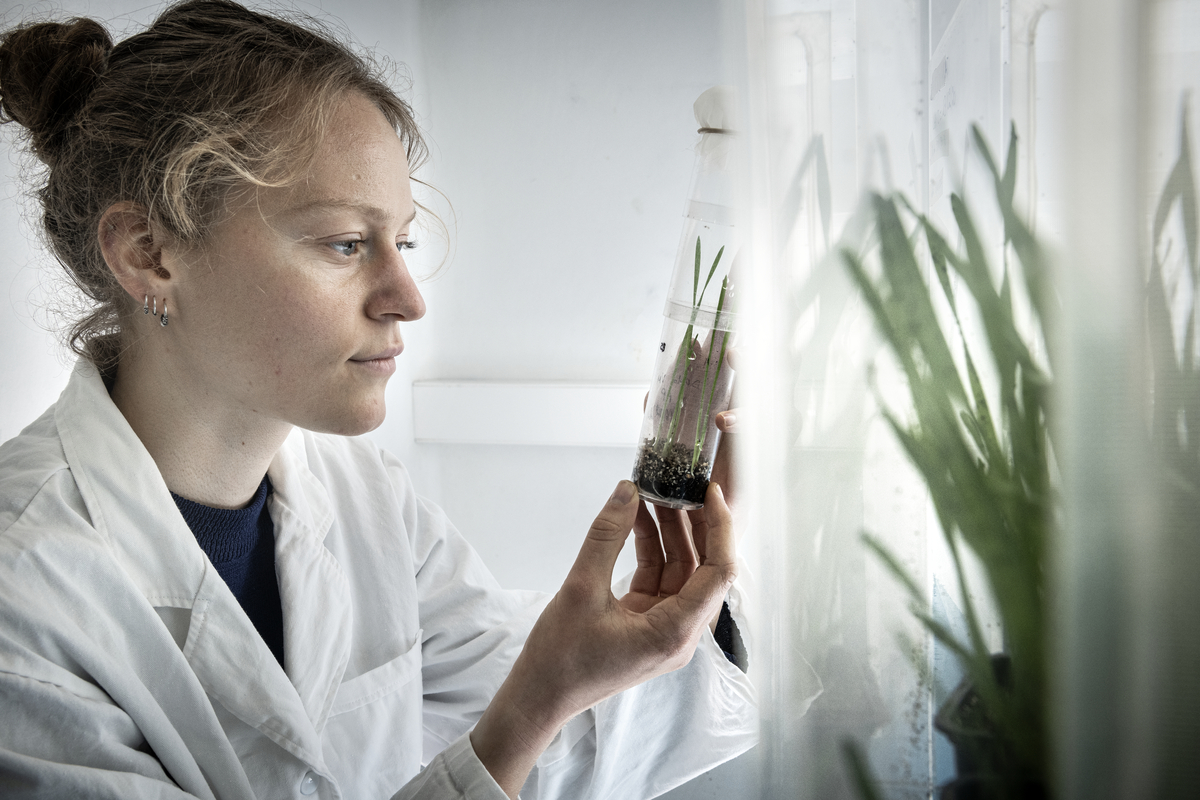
(208, 453)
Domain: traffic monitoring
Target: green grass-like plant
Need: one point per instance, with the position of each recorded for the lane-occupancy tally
(988, 470)
(688, 352)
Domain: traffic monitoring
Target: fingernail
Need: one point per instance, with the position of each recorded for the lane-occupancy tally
(730, 419)
(624, 492)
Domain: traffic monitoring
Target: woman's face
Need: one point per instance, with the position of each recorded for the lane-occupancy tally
(290, 310)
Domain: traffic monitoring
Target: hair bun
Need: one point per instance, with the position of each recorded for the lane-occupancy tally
(47, 72)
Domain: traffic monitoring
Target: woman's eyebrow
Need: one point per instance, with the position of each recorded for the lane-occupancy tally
(371, 212)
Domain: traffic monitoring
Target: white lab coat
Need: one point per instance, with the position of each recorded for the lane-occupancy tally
(129, 670)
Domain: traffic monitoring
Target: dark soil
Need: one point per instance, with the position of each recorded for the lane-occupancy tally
(671, 477)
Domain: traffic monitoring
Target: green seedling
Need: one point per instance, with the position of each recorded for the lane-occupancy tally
(671, 464)
(687, 354)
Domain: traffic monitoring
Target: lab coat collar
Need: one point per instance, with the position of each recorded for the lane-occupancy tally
(132, 509)
(314, 590)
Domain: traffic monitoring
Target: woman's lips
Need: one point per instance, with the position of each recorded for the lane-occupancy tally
(383, 362)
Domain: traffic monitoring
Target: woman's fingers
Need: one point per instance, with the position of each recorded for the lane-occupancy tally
(648, 575)
(701, 597)
(699, 526)
(720, 548)
(724, 469)
(681, 560)
(665, 555)
(586, 646)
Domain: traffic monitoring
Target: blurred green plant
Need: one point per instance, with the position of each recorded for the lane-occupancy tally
(988, 470)
(1176, 382)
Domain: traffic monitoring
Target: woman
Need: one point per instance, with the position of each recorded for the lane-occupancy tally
(206, 589)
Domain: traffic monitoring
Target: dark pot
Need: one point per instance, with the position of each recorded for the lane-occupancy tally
(976, 788)
(979, 753)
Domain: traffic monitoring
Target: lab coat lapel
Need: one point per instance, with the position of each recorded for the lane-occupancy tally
(238, 670)
(317, 619)
(125, 495)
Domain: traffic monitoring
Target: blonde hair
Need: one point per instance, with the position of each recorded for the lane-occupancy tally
(211, 99)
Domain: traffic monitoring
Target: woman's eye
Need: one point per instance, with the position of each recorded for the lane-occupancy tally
(406, 245)
(347, 248)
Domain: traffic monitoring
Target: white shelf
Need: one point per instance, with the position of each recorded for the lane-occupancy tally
(568, 414)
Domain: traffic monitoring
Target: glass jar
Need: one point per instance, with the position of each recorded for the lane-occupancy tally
(693, 378)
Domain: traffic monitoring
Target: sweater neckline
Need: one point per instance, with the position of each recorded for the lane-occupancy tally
(225, 534)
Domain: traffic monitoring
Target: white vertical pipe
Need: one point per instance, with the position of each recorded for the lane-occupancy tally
(1101, 412)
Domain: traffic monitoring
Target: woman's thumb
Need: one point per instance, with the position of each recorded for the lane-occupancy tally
(606, 537)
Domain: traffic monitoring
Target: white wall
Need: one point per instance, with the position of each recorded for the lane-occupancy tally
(32, 370)
(561, 132)
(563, 135)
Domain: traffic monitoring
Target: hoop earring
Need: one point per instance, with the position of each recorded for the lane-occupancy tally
(154, 308)
(146, 304)
(163, 321)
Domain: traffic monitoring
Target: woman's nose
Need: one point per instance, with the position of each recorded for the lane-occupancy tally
(396, 294)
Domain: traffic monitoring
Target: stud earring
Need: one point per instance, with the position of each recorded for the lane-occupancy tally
(163, 321)
(146, 304)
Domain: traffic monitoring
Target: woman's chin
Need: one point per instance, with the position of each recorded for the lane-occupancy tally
(354, 422)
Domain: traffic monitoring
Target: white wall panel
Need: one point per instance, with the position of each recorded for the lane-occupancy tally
(480, 412)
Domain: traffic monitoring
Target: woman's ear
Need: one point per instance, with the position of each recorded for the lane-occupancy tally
(132, 251)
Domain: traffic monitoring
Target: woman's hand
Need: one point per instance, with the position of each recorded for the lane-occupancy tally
(725, 470)
(588, 645)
